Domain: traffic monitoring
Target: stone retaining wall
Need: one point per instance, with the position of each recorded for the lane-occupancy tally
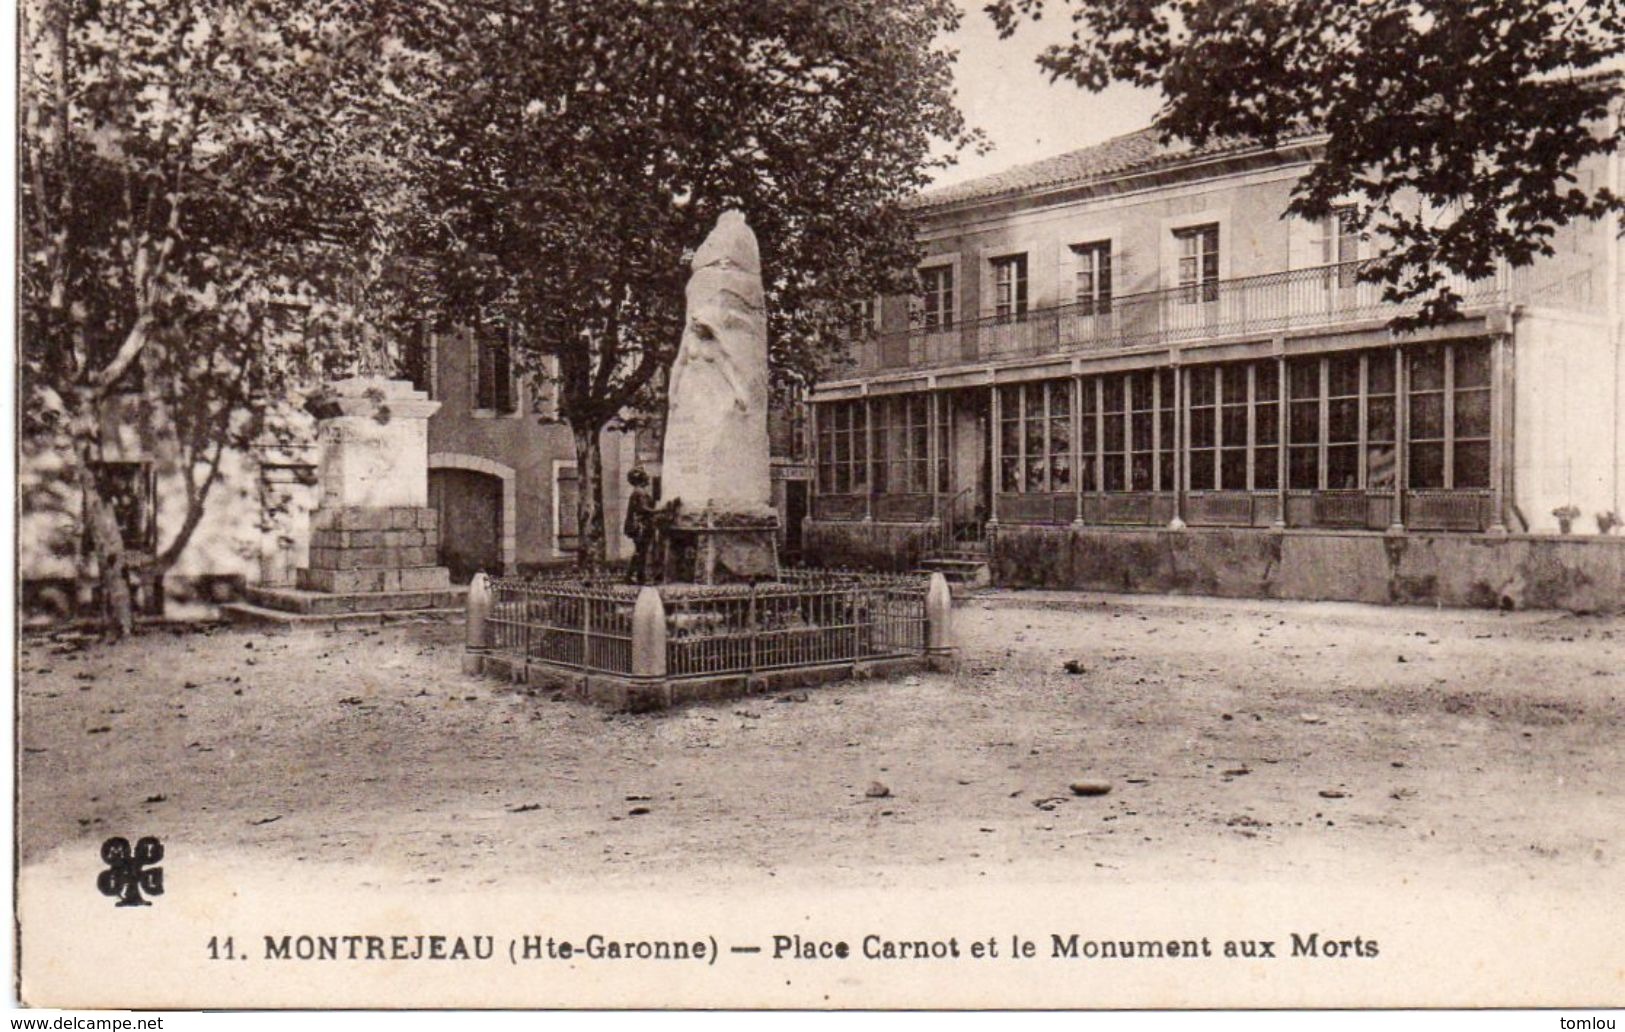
(1476, 570)
(888, 547)
(1579, 574)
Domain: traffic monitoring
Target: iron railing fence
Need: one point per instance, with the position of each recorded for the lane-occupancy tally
(1272, 303)
(805, 618)
(581, 625)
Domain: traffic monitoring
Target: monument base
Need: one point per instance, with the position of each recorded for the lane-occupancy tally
(367, 563)
(722, 548)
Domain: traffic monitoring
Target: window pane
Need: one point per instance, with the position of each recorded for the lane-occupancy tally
(1379, 418)
(1060, 399)
(1202, 428)
(1035, 474)
(1010, 437)
(1427, 369)
(1142, 473)
(1343, 466)
(1060, 473)
(1114, 474)
(1264, 377)
(1114, 394)
(1201, 386)
(1427, 416)
(1087, 434)
(1343, 420)
(1305, 422)
(1235, 383)
(1142, 391)
(1304, 378)
(1088, 398)
(1264, 469)
(1473, 465)
(1010, 479)
(1303, 469)
(1235, 425)
(1427, 465)
(1035, 399)
(1343, 374)
(1233, 469)
(1472, 365)
(1202, 470)
(1379, 468)
(1114, 433)
(1165, 468)
(1086, 473)
(1060, 436)
(1266, 424)
(1142, 431)
(1380, 373)
(1035, 437)
(1472, 413)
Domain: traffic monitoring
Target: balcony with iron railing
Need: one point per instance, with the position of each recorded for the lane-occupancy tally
(1280, 302)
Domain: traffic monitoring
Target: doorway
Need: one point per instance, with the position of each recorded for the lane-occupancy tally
(470, 508)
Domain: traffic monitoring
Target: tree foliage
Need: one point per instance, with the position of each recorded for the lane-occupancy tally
(588, 144)
(1456, 127)
(183, 164)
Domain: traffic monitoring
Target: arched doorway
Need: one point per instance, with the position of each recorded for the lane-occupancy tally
(475, 500)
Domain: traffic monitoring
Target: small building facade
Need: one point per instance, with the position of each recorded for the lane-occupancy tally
(502, 467)
(1126, 369)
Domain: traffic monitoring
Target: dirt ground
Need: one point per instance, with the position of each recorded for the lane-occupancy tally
(1272, 738)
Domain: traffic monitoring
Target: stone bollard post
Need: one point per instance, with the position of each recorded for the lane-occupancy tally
(479, 637)
(649, 635)
(939, 629)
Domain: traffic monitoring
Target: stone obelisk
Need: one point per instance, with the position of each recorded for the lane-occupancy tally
(715, 457)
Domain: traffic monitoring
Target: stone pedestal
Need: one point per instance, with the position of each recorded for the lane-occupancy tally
(374, 530)
(374, 438)
(374, 543)
(357, 548)
(723, 549)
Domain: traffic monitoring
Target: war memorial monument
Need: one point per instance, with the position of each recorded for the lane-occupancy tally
(726, 619)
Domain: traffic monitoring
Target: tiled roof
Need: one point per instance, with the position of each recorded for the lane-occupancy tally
(1120, 155)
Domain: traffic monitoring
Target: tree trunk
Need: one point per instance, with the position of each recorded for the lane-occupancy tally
(589, 498)
(106, 540)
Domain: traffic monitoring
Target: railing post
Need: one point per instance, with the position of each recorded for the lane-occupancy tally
(649, 635)
(939, 631)
(750, 625)
(586, 630)
(479, 634)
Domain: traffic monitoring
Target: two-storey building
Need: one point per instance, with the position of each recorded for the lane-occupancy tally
(1126, 369)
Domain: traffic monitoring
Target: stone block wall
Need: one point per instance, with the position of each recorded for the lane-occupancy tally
(1476, 570)
(363, 549)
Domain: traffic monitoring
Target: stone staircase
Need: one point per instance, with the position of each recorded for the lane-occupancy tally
(963, 564)
(368, 565)
(320, 610)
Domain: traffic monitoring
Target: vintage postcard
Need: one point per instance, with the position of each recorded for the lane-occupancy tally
(885, 504)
